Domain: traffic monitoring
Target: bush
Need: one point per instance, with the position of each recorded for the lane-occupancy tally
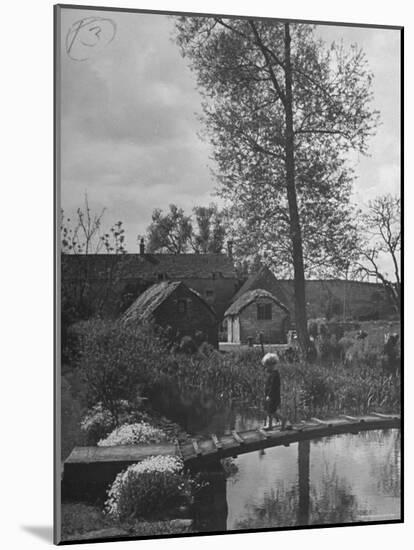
(317, 389)
(155, 485)
(98, 422)
(133, 434)
(187, 345)
(115, 360)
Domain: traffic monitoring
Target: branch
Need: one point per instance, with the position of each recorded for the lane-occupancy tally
(264, 51)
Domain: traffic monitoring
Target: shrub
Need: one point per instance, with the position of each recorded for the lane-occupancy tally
(155, 485)
(133, 434)
(114, 360)
(317, 389)
(187, 345)
(99, 422)
(96, 423)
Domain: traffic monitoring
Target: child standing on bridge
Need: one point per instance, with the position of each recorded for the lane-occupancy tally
(272, 390)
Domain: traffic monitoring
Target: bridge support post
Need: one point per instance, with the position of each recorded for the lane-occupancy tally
(210, 505)
(304, 482)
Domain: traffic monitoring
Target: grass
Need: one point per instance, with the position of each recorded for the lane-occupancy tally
(210, 381)
(86, 521)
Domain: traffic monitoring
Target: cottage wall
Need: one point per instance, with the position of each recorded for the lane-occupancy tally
(233, 329)
(273, 330)
(217, 292)
(197, 317)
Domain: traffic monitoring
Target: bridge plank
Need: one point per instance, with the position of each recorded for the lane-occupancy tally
(216, 441)
(351, 418)
(119, 453)
(262, 432)
(83, 459)
(322, 422)
(196, 447)
(385, 416)
(237, 437)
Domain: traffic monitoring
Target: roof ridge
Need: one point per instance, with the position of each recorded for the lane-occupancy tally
(248, 297)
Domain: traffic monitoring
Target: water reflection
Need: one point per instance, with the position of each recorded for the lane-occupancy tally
(342, 479)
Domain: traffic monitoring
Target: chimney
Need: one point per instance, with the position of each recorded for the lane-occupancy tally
(142, 246)
(230, 250)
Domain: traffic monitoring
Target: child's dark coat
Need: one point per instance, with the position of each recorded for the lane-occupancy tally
(272, 391)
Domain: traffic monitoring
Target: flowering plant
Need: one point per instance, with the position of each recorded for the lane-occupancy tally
(157, 484)
(98, 421)
(133, 434)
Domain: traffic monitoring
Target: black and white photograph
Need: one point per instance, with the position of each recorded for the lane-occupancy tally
(228, 274)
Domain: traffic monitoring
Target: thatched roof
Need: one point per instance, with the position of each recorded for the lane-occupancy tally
(147, 303)
(250, 296)
(264, 279)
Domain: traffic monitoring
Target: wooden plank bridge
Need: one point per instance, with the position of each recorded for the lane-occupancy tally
(97, 465)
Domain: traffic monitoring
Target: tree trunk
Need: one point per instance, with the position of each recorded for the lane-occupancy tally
(295, 231)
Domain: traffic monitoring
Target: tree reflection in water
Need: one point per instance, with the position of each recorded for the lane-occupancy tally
(330, 502)
(388, 471)
(278, 509)
(354, 478)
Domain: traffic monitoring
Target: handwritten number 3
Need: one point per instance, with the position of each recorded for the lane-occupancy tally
(89, 33)
(97, 33)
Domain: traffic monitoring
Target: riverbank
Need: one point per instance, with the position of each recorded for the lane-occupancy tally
(87, 522)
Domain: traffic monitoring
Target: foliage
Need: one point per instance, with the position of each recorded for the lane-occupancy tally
(98, 421)
(317, 389)
(176, 232)
(211, 229)
(351, 379)
(169, 232)
(133, 434)
(114, 361)
(241, 70)
(282, 111)
(80, 519)
(71, 414)
(230, 467)
(155, 485)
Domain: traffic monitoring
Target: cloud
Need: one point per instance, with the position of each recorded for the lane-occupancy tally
(129, 126)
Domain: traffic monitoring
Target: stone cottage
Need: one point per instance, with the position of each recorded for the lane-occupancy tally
(178, 309)
(324, 298)
(257, 312)
(106, 284)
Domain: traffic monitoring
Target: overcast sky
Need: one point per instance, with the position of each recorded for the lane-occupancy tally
(129, 126)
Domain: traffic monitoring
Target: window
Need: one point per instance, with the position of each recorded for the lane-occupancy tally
(209, 293)
(264, 312)
(182, 306)
(160, 276)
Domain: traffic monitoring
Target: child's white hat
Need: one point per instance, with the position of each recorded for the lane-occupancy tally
(270, 359)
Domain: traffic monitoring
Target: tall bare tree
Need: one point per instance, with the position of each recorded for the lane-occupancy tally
(382, 226)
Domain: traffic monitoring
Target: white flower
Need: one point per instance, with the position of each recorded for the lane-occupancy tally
(133, 434)
(159, 463)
